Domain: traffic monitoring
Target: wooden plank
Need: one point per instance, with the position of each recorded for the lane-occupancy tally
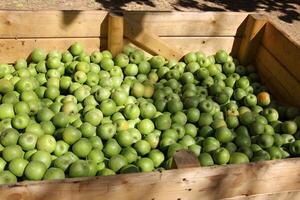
(12, 49)
(209, 45)
(25, 24)
(251, 38)
(281, 81)
(115, 34)
(277, 86)
(191, 183)
(184, 159)
(148, 41)
(272, 83)
(283, 47)
(280, 196)
(190, 23)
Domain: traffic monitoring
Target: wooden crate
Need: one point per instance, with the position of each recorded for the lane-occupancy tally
(251, 38)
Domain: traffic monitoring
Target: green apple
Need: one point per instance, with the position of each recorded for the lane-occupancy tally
(35, 170)
(157, 61)
(6, 177)
(221, 56)
(42, 156)
(142, 147)
(79, 168)
(76, 49)
(38, 55)
(46, 143)
(124, 138)
(17, 166)
(9, 136)
(116, 162)
(145, 164)
(96, 57)
(54, 173)
(157, 157)
(136, 56)
(111, 148)
(82, 147)
(121, 60)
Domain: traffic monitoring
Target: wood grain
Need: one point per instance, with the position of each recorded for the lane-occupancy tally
(209, 45)
(115, 34)
(281, 46)
(184, 159)
(28, 24)
(148, 41)
(289, 195)
(272, 83)
(190, 23)
(251, 38)
(279, 80)
(186, 184)
(12, 49)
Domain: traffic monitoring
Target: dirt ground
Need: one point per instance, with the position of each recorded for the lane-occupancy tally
(283, 12)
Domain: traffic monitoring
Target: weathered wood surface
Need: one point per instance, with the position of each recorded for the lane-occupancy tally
(289, 195)
(12, 49)
(115, 34)
(251, 38)
(207, 24)
(281, 83)
(149, 41)
(40, 24)
(283, 48)
(209, 45)
(184, 159)
(190, 183)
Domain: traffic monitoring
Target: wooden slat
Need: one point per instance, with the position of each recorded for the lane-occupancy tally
(190, 183)
(290, 195)
(251, 38)
(25, 24)
(184, 159)
(190, 23)
(148, 41)
(209, 45)
(12, 49)
(283, 47)
(280, 81)
(277, 89)
(115, 34)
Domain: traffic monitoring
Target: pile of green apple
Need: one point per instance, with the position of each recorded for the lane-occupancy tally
(72, 114)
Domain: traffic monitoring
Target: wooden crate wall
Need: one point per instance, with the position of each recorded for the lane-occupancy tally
(22, 31)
